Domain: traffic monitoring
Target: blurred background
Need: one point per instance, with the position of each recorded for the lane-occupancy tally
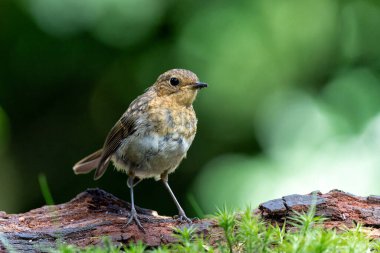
(293, 103)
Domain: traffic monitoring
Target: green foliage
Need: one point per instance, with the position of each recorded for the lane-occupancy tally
(107, 247)
(250, 234)
(226, 219)
(253, 235)
(45, 189)
(188, 241)
(244, 232)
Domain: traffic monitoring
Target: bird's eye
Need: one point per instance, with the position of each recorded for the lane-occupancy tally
(174, 81)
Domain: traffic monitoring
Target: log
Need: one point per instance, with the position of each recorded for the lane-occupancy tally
(95, 214)
(87, 220)
(342, 210)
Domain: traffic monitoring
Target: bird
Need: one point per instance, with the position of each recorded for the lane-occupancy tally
(152, 137)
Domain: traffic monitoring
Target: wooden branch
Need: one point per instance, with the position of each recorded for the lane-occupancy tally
(95, 214)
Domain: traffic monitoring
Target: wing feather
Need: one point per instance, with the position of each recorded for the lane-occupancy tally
(124, 127)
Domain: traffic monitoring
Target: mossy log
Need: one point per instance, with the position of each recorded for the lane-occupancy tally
(95, 214)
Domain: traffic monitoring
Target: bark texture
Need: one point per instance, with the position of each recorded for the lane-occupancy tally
(343, 210)
(95, 214)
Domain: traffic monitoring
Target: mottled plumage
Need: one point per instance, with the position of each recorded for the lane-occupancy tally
(153, 136)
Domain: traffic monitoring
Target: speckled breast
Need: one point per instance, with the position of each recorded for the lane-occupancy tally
(160, 145)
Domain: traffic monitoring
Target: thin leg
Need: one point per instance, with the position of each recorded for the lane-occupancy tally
(134, 183)
(181, 213)
(133, 210)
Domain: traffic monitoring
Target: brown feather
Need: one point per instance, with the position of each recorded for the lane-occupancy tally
(88, 163)
(120, 131)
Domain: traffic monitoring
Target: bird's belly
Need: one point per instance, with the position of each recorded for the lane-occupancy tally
(151, 155)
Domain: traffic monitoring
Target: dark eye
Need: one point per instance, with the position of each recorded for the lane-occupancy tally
(174, 81)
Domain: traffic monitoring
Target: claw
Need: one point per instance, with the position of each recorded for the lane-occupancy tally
(134, 217)
(183, 218)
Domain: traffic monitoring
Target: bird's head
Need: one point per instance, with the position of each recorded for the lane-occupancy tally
(180, 85)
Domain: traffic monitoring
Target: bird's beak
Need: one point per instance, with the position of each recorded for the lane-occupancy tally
(199, 85)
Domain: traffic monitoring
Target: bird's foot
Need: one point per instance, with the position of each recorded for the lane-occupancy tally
(183, 218)
(134, 217)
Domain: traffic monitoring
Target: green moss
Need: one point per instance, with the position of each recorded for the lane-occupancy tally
(250, 234)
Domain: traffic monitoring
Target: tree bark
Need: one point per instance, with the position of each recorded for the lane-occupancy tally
(95, 214)
(342, 210)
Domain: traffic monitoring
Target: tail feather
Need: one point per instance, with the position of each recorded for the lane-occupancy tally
(88, 163)
(101, 168)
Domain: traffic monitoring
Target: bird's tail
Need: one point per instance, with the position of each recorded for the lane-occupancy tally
(88, 163)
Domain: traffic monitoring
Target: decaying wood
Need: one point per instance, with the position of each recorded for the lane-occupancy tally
(86, 220)
(342, 210)
(95, 214)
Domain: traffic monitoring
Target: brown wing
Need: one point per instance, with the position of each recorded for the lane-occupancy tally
(124, 127)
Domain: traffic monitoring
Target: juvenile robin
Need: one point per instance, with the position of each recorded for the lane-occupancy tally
(153, 136)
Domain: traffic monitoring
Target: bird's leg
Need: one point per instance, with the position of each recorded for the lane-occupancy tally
(133, 215)
(181, 213)
(134, 183)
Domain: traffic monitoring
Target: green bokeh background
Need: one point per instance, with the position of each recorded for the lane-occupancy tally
(293, 103)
